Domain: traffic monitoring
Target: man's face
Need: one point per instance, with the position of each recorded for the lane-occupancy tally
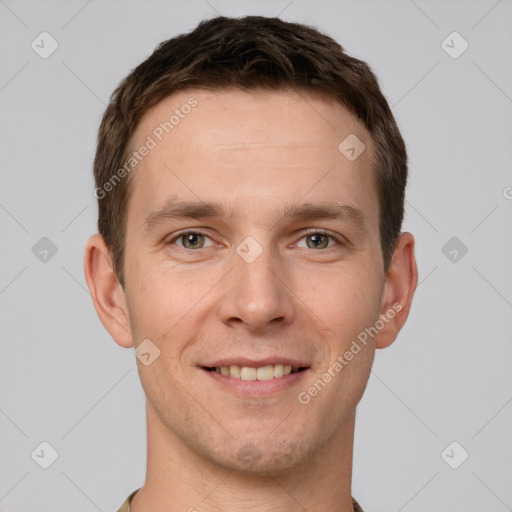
(254, 287)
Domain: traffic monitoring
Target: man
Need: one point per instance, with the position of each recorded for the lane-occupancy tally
(250, 180)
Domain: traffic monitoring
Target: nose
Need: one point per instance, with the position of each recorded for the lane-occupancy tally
(256, 294)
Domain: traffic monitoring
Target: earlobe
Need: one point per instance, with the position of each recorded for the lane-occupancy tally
(106, 291)
(401, 282)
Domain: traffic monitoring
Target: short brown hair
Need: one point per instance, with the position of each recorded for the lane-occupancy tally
(248, 53)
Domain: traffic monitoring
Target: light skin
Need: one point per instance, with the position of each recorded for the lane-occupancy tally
(305, 297)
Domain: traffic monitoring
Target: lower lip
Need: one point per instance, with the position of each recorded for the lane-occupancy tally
(257, 388)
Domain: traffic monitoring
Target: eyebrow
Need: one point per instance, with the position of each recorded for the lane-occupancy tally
(174, 209)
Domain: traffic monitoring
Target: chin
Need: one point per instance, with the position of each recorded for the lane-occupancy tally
(266, 458)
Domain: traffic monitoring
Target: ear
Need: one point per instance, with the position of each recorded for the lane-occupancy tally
(106, 291)
(399, 287)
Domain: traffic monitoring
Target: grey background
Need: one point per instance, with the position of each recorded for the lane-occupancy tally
(447, 378)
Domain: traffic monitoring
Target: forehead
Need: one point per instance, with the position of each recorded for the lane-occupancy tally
(231, 116)
(248, 147)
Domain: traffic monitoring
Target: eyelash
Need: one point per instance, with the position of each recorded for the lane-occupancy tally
(303, 235)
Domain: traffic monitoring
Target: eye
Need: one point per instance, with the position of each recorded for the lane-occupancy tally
(191, 240)
(319, 239)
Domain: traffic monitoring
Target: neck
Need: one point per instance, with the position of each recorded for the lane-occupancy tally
(180, 479)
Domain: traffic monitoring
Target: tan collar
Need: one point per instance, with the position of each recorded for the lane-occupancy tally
(125, 507)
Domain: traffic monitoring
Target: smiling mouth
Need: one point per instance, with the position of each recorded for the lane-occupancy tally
(266, 372)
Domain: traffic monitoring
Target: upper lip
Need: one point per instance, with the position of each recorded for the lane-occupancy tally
(257, 363)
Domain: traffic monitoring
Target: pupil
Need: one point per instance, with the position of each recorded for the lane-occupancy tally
(315, 240)
(192, 239)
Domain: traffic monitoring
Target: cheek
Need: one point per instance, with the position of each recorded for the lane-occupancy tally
(165, 293)
(168, 306)
(346, 299)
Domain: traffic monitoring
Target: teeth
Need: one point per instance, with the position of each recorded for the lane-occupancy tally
(234, 371)
(265, 372)
(248, 373)
(262, 373)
